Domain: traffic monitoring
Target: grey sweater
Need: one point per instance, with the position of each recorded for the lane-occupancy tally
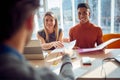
(12, 68)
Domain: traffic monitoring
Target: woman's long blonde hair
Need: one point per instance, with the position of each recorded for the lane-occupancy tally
(55, 27)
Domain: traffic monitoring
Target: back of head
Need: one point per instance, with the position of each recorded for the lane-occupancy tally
(13, 15)
(81, 5)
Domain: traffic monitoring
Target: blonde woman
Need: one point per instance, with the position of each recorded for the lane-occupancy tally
(51, 35)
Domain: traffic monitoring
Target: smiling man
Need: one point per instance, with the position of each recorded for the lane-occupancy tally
(85, 33)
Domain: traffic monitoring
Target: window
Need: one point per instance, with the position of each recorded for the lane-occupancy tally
(54, 6)
(105, 16)
(38, 19)
(67, 16)
(117, 16)
(94, 11)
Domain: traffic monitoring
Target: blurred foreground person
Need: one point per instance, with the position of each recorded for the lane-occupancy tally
(15, 31)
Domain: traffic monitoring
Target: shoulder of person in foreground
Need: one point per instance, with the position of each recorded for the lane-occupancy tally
(16, 69)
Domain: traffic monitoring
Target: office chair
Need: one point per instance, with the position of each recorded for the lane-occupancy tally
(113, 45)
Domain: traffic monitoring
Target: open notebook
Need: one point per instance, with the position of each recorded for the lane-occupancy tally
(34, 51)
(100, 47)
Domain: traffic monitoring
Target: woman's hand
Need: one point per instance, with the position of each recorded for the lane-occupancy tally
(58, 44)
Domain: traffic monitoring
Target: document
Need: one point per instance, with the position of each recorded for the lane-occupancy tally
(67, 46)
(100, 47)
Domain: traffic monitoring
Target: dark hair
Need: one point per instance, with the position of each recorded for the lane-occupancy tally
(13, 15)
(81, 5)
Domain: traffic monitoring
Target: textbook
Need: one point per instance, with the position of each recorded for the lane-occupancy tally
(67, 46)
(100, 47)
(33, 51)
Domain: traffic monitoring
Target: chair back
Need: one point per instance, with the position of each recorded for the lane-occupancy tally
(115, 44)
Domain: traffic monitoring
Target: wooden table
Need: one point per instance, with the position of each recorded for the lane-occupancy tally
(98, 70)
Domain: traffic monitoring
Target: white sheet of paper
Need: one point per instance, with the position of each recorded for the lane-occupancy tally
(69, 45)
(101, 46)
(78, 70)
